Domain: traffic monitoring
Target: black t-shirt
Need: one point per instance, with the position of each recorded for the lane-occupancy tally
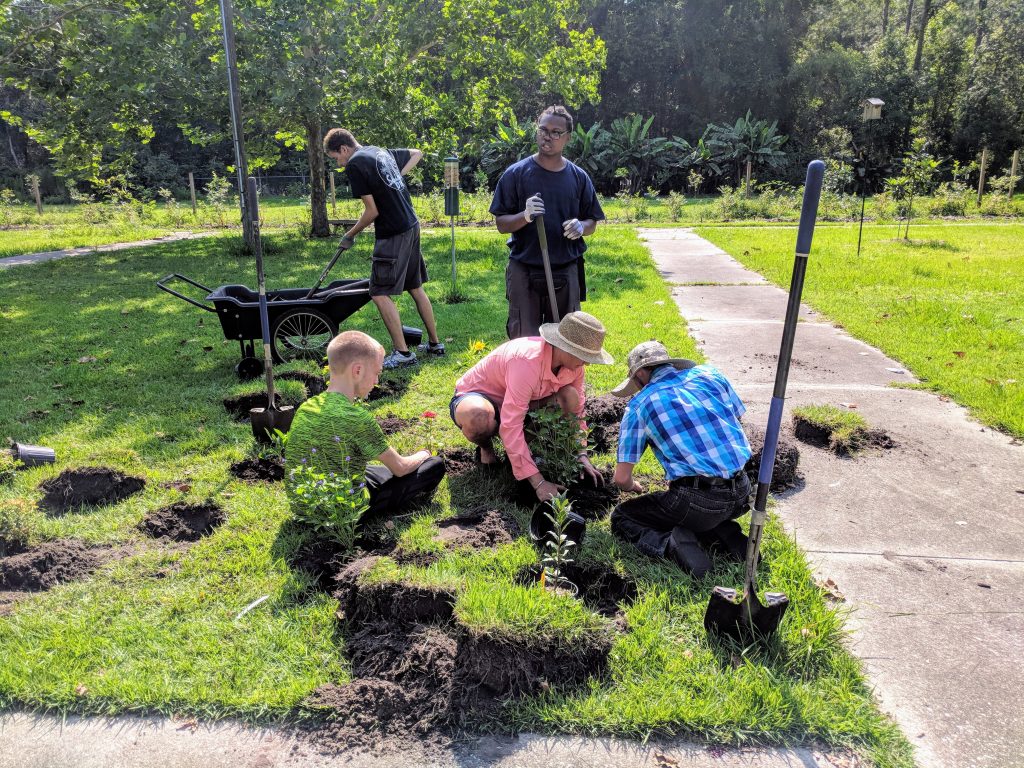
(378, 172)
(567, 194)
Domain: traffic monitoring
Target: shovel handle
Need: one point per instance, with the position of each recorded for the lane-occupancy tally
(542, 236)
(328, 268)
(808, 214)
(254, 208)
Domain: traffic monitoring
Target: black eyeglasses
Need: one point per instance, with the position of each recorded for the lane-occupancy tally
(550, 134)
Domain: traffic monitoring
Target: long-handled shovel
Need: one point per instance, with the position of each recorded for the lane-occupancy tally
(264, 420)
(741, 616)
(542, 236)
(330, 265)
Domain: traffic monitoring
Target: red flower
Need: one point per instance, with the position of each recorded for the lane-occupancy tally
(429, 415)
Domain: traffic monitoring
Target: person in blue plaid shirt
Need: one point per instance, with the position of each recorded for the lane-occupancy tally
(690, 417)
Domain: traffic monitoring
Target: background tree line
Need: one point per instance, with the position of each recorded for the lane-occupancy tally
(124, 98)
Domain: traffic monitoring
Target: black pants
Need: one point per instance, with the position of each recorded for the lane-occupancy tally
(529, 306)
(391, 495)
(677, 522)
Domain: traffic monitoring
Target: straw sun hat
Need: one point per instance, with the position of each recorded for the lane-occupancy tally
(646, 355)
(579, 334)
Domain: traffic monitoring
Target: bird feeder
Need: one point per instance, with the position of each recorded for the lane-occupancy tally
(872, 109)
(451, 186)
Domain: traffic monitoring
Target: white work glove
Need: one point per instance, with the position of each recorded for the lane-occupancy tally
(534, 207)
(573, 229)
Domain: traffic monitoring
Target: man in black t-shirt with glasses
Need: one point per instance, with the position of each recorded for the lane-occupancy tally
(376, 178)
(545, 183)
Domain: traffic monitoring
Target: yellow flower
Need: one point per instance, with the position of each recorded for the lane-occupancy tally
(477, 346)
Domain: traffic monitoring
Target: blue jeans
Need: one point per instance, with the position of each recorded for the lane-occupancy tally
(674, 523)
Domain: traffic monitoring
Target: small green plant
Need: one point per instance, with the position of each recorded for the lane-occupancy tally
(218, 192)
(694, 181)
(557, 545)
(556, 441)
(676, 203)
(8, 201)
(272, 451)
(8, 467)
(329, 502)
(15, 529)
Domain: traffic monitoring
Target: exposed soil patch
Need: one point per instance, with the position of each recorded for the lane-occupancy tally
(478, 529)
(600, 588)
(417, 674)
(391, 424)
(787, 458)
(314, 384)
(457, 461)
(94, 486)
(50, 564)
(240, 405)
(605, 410)
(320, 558)
(823, 437)
(388, 388)
(256, 470)
(603, 415)
(592, 502)
(183, 522)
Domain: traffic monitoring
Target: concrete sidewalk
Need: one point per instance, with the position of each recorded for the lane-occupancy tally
(36, 258)
(926, 540)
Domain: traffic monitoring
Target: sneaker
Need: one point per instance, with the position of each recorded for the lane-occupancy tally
(400, 359)
(431, 348)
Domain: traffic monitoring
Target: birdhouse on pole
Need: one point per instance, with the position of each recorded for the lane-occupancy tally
(872, 109)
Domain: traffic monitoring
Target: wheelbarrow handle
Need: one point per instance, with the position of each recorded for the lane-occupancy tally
(162, 285)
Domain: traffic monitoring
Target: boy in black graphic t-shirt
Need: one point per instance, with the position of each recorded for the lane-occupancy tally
(376, 178)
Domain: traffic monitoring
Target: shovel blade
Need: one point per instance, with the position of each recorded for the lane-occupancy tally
(741, 616)
(265, 420)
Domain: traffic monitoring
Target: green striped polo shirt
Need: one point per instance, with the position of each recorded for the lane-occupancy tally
(327, 429)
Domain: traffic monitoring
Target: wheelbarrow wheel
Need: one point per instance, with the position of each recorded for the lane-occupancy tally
(302, 334)
(249, 368)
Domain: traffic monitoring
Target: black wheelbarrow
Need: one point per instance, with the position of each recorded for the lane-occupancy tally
(301, 326)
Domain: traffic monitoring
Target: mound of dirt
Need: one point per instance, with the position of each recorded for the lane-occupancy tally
(240, 405)
(50, 564)
(604, 411)
(477, 529)
(183, 522)
(457, 461)
(391, 424)
(822, 437)
(603, 438)
(314, 384)
(94, 486)
(600, 588)
(388, 388)
(320, 558)
(255, 470)
(392, 602)
(787, 458)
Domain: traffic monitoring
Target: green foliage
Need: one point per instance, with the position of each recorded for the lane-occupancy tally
(645, 158)
(330, 503)
(272, 451)
(676, 203)
(8, 467)
(15, 525)
(508, 144)
(557, 545)
(756, 141)
(556, 441)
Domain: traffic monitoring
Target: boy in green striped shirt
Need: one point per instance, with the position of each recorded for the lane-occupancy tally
(334, 434)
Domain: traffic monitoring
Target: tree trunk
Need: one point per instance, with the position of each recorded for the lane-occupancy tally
(979, 31)
(925, 14)
(910, 13)
(318, 194)
(885, 16)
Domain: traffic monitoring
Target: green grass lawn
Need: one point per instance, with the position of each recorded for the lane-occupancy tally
(156, 630)
(948, 303)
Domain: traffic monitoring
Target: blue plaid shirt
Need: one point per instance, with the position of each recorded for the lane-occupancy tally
(691, 420)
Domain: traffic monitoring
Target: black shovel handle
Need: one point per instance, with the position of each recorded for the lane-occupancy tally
(808, 214)
(252, 200)
(328, 268)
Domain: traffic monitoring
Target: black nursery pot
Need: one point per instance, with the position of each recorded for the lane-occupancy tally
(541, 526)
(33, 455)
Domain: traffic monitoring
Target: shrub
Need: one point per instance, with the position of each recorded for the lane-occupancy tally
(557, 545)
(8, 467)
(555, 440)
(676, 203)
(331, 503)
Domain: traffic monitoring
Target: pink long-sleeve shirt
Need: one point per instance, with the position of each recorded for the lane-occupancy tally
(515, 374)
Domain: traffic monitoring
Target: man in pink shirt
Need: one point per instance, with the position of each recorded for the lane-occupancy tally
(492, 398)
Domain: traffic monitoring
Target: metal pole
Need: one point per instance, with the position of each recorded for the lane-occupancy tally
(235, 102)
(863, 197)
(35, 193)
(981, 173)
(454, 288)
(192, 191)
(1013, 173)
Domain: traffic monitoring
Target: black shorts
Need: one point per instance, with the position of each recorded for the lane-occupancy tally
(397, 264)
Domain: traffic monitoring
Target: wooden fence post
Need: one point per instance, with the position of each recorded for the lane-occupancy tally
(1013, 173)
(334, 202)
(35, 193)
(192, 190)
(981, 173)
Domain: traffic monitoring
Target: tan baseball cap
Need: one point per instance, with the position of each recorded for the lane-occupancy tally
(645, 355)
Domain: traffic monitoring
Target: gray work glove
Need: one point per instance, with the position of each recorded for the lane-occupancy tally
(346, 243)
(572, 229)
(534, 207)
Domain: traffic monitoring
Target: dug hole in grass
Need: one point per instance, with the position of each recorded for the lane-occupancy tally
(157, 630)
